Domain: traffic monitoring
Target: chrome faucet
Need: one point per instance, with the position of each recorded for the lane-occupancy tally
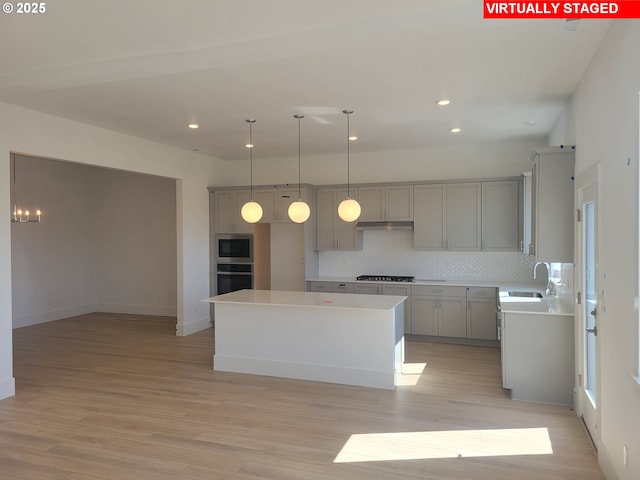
(535, 268)
(550, 288)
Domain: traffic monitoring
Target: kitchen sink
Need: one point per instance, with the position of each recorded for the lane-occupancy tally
(519, 293)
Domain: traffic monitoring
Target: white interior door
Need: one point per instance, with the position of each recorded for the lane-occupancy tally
(587, 311)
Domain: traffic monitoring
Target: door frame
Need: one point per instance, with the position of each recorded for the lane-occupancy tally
(585, 180)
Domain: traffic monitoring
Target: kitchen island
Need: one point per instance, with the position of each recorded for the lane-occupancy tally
(339, 338)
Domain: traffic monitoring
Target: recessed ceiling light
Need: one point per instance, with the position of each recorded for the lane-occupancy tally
(444, 102)
(249, 145)
(530, 122)
(193, 126)
(455, 130)
(353, 138)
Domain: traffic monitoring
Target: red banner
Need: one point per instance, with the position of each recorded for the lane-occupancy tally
(562, 9)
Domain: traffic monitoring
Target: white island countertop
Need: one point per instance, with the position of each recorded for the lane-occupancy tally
(310, 299)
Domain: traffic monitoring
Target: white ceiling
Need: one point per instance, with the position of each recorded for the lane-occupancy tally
(149, 67)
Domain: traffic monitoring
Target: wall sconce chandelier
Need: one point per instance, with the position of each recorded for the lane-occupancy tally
(299, 211)
(18, 215)
(251, 211)
(349, 209)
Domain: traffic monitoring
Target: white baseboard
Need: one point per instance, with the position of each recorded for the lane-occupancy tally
(183, 329)
(44, 317)
(158, 310)
(7, 387)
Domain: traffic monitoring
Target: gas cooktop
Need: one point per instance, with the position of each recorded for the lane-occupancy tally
(385, 278)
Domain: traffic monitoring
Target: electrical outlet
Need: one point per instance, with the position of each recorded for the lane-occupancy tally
(625, 455)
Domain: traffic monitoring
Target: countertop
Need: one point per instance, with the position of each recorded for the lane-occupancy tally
(309, 299)
(546, 305)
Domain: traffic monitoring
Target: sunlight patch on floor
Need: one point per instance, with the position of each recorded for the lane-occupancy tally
(377, 447)
(410, 374)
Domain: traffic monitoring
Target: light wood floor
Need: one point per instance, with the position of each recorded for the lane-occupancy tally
(106, 396)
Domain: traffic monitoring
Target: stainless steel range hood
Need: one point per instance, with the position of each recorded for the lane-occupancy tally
(406, 226)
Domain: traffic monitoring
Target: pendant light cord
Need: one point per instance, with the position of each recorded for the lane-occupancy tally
(348, 113)
(299, 117)
(250, 121)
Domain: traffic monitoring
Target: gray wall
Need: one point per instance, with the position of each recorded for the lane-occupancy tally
(107, 242)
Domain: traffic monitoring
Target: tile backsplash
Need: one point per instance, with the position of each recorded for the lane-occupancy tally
(392, 253)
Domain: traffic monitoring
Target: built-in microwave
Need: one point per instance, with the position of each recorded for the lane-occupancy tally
(234, 248)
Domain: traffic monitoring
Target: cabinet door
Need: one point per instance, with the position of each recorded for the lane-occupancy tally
(482, 318)
(372, 202)
(366, 289)
(554, 214)
(347, 237)
(424, 315)
(223, 211)
(285, 197)
(500, 216)
(326, 234)
(239, 225)
(428, 216)
(452, 319)
(463, 216)
(227, 206)
(405, 291)
(399, 203)
(267, 198)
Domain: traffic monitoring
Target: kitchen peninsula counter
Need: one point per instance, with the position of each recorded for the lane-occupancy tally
(329, 337)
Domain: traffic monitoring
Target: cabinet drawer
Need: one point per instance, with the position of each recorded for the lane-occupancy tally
(368, 289)
(342, 287)
(439, 290)
(481, 292)
(320, 286)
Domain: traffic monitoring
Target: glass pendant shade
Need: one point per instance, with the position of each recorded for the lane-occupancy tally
(299, 212)
(251, 212)
(349, 210)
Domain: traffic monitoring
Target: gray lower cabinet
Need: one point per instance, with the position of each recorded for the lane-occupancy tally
(424, 319)
(438, 311)
(319, 286)
(342, 287)
(455, 312)
(482, 313)
(367, 289)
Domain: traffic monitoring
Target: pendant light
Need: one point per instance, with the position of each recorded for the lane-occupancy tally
(251, 211)
(299, 211)
(349, 209)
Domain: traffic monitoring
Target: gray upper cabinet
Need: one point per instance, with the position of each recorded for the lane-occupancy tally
(463, 216)
(386, 203)
(399, 203)
(429, 219)
(552, 190)
(227, 206)
(447, 216)
(372, 202)
(501, 216)
(331, 232)
(268, 200)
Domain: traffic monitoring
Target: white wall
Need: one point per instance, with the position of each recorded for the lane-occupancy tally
(38, 134)
(53, 262)
(135, 238)
(479, 161)
(603, 123)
